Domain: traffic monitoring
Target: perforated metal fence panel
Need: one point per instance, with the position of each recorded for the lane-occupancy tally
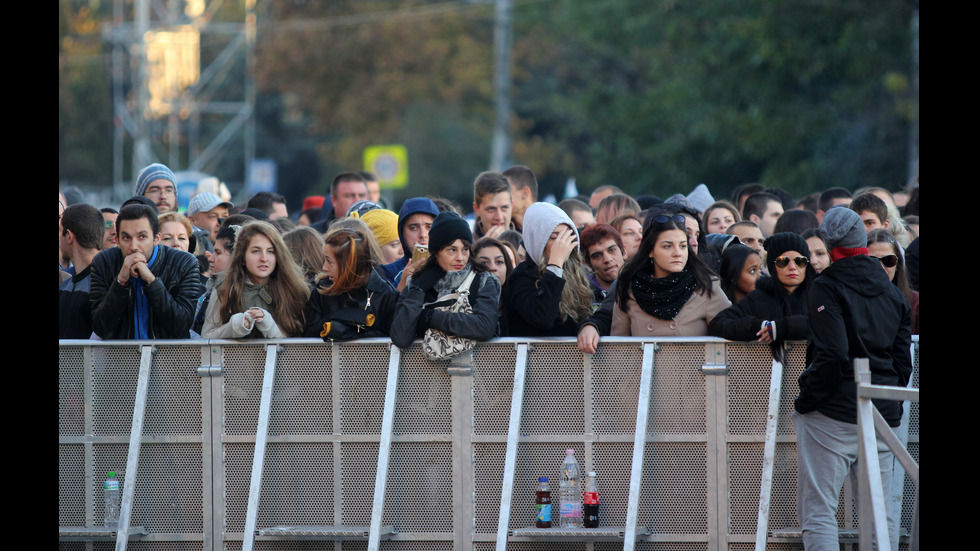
(701, 469)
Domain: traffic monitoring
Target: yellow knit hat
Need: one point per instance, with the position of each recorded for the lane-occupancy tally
(383, 223)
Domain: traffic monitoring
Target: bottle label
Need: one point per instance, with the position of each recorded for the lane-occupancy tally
(591, 498)
(544, 512)
(571, 510)
(111, 484)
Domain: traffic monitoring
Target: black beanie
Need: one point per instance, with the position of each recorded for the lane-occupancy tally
(447, 228)
(777, 244)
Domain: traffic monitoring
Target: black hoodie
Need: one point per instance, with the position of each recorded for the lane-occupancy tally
(854, 312)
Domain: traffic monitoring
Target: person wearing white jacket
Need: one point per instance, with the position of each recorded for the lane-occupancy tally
(262, 293)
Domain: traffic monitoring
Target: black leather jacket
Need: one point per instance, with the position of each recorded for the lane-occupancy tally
(172, 296)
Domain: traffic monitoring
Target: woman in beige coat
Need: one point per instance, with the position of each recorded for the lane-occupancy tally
(665, 290)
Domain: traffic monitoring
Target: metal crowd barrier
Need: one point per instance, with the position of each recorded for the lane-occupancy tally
(675, 428)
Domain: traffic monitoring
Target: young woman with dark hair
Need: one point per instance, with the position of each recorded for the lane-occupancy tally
(777, 309)
(883, 246)
(306, 245)
(261, 293)
(741, 267)
(449, 264)
(494, 255)
(666, 289)
(819, 254)
(719, 215)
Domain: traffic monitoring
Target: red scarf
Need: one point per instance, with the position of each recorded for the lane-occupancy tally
(838, 253)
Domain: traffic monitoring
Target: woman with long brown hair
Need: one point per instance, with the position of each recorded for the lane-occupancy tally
(262, 293)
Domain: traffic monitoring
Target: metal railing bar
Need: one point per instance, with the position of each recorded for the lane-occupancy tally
(258, 459)
(769, 455)
(510, 457)
(384, 449)
(135, 439)
(639, 446)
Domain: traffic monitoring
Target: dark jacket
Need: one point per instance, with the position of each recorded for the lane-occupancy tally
(74, 308)
(172, 296)
(742, 320)
(343, 311)
(480, 325)
(393, 272)
(327, 215)
(601, 317)
(854, 312)
(532, 300)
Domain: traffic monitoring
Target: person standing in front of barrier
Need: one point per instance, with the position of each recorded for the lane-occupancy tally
(666, 289)
(262, 293)
(224, 246)
(352, 300)
(140, 288)
(776, 310)
(854, 312)
(82, 235)
(548, 294)
(448, 266)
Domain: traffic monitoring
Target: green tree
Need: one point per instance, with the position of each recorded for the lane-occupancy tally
(659, 97)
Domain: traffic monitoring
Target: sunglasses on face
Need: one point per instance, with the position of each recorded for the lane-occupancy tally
(783, 261)
(888, 261)
(663, 218)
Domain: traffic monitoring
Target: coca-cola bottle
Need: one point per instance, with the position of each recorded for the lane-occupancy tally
(590, 502)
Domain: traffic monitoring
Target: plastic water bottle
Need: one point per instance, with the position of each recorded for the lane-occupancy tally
(111, 491)
(571, 492)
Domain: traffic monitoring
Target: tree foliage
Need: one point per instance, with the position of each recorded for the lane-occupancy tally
(652, 96)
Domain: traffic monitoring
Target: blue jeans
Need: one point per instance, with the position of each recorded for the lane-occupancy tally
(827, 453)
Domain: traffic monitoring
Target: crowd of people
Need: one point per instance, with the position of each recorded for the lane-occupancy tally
(836, 268)
(688, 265)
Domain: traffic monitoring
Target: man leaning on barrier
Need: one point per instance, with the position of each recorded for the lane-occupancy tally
(854, 312)
(140, 289)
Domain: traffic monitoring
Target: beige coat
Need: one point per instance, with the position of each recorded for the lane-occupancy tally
(691, 321)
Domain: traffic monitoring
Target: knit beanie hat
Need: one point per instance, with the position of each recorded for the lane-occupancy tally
(156, 171)
(700, 198)
(447, 228)
(777, 244)
(844, 229)
(383, 224)
(540, 220)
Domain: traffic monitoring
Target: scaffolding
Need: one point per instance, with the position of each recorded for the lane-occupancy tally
(164, 88)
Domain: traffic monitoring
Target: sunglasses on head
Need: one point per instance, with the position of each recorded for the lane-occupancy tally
(663, 218)
(783, 261)
(888, 261)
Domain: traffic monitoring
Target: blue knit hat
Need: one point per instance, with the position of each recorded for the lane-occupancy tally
(156, 171)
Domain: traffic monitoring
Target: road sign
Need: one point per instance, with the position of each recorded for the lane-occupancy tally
(389, 163)
(262, 176)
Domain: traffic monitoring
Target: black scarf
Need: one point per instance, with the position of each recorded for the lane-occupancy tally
(662, 297)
